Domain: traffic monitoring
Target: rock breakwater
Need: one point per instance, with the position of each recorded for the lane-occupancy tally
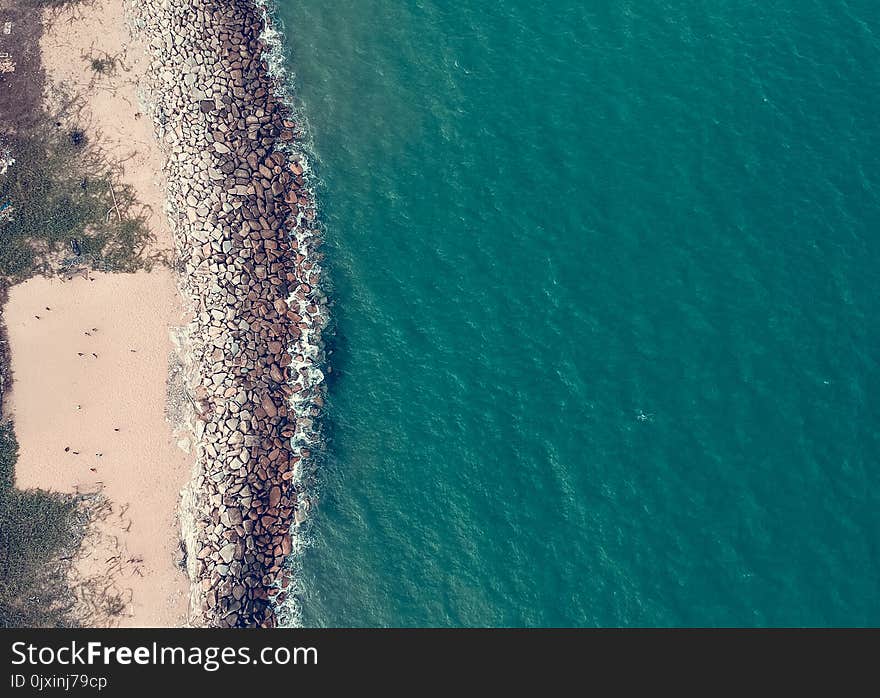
(247, 243)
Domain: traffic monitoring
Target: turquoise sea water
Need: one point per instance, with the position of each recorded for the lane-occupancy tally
(606, 285)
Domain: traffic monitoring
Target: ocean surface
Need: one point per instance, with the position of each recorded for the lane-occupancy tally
(607, 300)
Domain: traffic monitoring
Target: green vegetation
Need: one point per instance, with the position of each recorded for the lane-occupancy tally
(52, 4)
(104, 64)
(37, 530)
(60, 210)
(61, 207)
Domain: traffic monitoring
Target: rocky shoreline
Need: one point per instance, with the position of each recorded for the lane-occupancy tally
(244, 222)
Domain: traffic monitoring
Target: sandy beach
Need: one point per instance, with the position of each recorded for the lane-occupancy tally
(199, 451)
(88, 400)
(90, 355)
(88, 51)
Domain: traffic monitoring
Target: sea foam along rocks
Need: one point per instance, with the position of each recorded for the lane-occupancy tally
(247, 251)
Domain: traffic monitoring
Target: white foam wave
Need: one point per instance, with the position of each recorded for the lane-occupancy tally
(306, 371)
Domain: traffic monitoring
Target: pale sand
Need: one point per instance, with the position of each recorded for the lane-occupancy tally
(112, 115)
(60, 399)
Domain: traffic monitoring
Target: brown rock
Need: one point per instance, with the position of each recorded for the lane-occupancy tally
(269, 406)
(274, 496)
